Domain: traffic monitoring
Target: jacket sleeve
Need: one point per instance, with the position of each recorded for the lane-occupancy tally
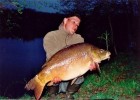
(79, 39)
(76, 39)
(49, 44)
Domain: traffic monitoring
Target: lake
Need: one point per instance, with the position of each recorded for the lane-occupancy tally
(19, 61)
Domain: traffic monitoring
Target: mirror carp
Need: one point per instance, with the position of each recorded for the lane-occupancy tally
(67, 64)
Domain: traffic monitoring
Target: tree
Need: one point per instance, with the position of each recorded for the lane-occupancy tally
(138, 29)
(7, 17)
(78, 6)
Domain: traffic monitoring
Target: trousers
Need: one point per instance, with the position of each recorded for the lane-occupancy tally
(63, 85)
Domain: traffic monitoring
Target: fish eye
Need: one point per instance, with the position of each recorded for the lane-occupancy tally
(101, 50)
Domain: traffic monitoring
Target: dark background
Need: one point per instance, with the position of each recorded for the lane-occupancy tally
(21, 35)
(31, 24)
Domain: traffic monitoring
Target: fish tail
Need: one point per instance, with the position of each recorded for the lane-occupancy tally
(36, 85)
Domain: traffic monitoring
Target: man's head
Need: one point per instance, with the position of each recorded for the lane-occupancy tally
(70, 24)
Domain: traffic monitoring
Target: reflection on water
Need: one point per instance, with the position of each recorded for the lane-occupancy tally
(19, 61)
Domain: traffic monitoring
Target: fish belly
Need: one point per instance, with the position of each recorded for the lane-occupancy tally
(76, 70)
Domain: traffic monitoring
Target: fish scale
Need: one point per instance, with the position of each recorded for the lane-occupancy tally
(68, 63)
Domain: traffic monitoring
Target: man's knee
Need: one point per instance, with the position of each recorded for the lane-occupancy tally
(52, 90)
(76, 85)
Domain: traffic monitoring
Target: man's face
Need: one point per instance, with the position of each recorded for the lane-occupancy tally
(71, 24)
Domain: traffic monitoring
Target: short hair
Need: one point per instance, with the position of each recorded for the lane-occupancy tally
(73, 14)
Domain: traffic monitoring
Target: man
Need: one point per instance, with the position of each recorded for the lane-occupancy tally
(57, 40)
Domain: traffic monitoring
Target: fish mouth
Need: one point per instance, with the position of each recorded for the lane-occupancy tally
(108, 55)
(108, 58)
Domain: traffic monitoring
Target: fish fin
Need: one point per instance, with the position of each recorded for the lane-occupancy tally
(73, 80)
(30, 85)
(39, 86)
(98, 67)
(92, 66)
(38, 91)
(36, 85)
(44, 65)
(55, 80)
(50, 83)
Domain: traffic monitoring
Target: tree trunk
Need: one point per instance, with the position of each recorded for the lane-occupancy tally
(138, 29)
(112, 36)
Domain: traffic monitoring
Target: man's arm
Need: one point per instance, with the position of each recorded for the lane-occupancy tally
(49, 44)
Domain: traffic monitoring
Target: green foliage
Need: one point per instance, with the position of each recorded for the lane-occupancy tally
(105, 36)
(96, 6)
(2, 98)
(18, 6)
(27, 97)
(9, 18)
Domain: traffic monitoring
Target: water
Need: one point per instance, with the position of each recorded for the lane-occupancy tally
(19, 61)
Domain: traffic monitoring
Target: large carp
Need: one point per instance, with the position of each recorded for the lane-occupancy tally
(68, 63)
